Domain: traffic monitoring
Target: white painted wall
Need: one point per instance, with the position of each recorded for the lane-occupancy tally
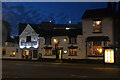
(87, 28)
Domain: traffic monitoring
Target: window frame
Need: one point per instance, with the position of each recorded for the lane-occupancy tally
(91, 45)
(47, 51)
(27, 39)
(71, 54)
(95, 26)
(46, 41)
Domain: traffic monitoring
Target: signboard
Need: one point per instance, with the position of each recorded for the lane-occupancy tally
(109, 56)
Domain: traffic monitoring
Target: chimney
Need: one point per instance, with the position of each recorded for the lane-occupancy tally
(114, 6)
(109, 5)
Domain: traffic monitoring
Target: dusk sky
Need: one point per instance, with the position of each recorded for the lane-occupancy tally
(37, 12)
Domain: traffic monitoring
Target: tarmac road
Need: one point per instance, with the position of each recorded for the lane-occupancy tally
(29, 69)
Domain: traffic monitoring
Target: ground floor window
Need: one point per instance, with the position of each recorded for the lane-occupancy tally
(12, 54)
(72, 52)
(3, 51)
(95, 47)
(48, 52)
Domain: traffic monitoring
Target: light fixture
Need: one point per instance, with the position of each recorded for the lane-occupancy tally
(67, 28)
(50, 21)
(65, 51)
(65, 40)
(55, 41)
(69, 22)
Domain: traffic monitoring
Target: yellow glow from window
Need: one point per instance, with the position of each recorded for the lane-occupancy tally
(98, 22)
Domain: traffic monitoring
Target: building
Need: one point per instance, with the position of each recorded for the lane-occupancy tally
(35, 40)
(47, 40)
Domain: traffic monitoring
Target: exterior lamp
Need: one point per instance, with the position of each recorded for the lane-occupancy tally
(65, 51)
(69, 22)
(55, 41)
(65, 40)
(67, 28)
(50, 21)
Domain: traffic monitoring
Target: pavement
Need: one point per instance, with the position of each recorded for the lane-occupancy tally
(32, 69)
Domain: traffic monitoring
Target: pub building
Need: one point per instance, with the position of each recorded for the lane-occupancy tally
(99, 28)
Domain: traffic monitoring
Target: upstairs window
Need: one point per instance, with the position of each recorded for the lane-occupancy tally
(48, 41)
(28, 39)
(97, 27)
(72, 40)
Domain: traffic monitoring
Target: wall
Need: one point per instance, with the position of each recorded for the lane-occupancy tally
(107, 30)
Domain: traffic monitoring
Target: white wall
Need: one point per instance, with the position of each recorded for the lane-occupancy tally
(10, 49)
(87, 28)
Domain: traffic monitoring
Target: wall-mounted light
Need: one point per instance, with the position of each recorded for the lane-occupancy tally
(65, 51)
(69, 22)
(65, 40)
(55, 40)
(67, 28)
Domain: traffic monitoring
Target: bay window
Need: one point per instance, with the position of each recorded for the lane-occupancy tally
(95, 47)
(48, 52)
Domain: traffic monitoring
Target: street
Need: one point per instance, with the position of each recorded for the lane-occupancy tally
(29, 69)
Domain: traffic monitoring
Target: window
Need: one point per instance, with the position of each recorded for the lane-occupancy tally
(97, 27)
(72, 52)
(48, 52)
(28, 39)
(72, 40)
(12, 54)
(48, 41)
(95, 47)
(3, 51)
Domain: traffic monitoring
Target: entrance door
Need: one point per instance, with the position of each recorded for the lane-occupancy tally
(60, 54)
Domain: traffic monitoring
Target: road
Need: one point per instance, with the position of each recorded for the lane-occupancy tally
(29, 69)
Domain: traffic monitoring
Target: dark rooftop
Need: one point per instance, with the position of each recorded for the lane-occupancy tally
(97, 13)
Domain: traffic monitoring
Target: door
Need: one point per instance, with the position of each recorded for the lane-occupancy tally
(60, 54)
(34, 53)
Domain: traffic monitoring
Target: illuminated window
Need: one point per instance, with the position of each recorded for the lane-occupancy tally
(48, 52)
(72, 52)
(97, 27)
(3, 51)
(12, 54)
(95, 47)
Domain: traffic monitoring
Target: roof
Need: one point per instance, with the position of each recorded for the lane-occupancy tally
(52, 32)
(97, 13)
(98, 38)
